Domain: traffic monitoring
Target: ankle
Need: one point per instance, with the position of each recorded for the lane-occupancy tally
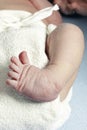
(52, 71)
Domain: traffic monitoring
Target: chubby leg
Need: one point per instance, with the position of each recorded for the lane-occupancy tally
(65, 53)
(65, 48)
(30, 80)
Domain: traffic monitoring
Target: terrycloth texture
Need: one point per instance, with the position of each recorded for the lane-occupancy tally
(17, 112)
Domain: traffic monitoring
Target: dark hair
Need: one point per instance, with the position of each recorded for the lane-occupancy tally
(50, 1)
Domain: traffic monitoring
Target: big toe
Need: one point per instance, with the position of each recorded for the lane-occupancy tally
(24, 57)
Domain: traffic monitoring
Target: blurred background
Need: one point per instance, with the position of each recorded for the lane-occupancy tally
(78, 118)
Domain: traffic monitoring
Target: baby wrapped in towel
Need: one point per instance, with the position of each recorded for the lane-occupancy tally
(20, 30)
(17, 112)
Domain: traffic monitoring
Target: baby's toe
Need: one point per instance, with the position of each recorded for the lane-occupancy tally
(24, 57)
(13, 75)
(14, 67)
(15, 60)
(12, 83)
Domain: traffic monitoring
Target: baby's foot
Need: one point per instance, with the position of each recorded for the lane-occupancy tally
(35, 83)
(16, 67)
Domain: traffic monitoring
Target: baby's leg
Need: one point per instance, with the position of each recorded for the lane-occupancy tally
(65, 52)
(65, 48)
(30, 80)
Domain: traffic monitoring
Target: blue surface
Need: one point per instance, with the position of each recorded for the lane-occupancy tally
(78, 118)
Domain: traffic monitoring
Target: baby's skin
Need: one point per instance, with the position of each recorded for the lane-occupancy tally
(37, 84)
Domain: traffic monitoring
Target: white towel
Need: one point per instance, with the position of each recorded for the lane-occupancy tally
(17, 112)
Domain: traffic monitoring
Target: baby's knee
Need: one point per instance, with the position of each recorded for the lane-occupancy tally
(73, 29)
(72, 32)
(77, 34)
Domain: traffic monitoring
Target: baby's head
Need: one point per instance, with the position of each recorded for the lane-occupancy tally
(72, 6)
